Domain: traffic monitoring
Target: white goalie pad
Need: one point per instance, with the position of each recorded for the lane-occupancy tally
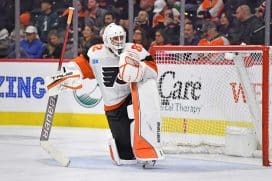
(114, 152)
(146, 107)
(68, 79)
(115, 155)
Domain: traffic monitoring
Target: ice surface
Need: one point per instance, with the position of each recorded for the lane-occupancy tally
(22, 159)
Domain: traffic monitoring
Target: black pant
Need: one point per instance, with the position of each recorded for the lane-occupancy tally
(120, 128)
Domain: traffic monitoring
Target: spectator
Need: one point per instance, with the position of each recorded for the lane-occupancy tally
(107, 5)
(190, 35)
(172, 28)
(95, 15)
(54, 47)
(7, 19)
(29, 5)
(224, 23)
(191, 7)
(82, 14)
(88, 34)
(159, 9)
(249, 25)
(142, 20)
(122, 16)
(140, 37)
(148, 6)
(260, 10)
(57, 4)
(122, 9)
(32, 46)
(211, 37)
(176, 15)
(109, 18)
(260, 13)
(176, 4)
(4, 43)
(47, 20)
(160, 38)
(230, 6)
(25, 19)
(210, 9)
(104, 4)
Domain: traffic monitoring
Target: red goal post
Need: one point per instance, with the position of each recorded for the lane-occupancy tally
(206, 90)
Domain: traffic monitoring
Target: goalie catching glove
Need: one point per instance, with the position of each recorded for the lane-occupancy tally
(131, 69)
(69, 78)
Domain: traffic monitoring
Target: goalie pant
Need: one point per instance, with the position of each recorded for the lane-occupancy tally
(136, 127)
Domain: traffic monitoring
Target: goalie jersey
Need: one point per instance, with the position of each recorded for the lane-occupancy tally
(103, 65)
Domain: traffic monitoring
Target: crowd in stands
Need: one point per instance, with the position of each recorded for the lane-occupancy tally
(156, 22)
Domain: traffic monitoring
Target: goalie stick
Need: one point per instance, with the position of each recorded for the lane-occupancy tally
(51, 106)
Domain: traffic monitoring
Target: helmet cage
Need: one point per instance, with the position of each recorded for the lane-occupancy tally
(114, 38)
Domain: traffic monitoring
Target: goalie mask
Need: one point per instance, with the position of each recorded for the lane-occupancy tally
(114, 38)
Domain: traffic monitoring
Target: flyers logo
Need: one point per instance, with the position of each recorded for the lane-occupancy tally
(110, 76)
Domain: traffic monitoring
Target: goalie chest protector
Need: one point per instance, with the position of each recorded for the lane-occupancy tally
(105, 67)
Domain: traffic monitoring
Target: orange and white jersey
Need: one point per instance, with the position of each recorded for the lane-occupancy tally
(213, 6)
(218, 41)
(104, 67)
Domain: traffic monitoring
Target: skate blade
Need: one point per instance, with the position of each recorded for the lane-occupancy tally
(148, 164)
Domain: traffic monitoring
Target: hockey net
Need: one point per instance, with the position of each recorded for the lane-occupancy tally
(207, 91)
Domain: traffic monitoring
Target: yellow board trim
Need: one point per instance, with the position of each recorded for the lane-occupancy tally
(174, 125)
(198, 126)
(60, 119)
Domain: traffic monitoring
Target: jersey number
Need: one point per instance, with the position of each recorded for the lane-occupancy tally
(137, 47)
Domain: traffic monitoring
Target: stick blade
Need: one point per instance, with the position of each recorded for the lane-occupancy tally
(58, 156)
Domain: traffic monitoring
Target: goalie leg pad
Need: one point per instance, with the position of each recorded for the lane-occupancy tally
(119, 124)
(114, 152)
(146, 107)
(115, 155)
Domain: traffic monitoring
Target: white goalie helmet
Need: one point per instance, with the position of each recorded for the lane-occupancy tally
(114, 38)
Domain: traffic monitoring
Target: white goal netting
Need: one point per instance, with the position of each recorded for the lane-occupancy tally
(206, 90)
